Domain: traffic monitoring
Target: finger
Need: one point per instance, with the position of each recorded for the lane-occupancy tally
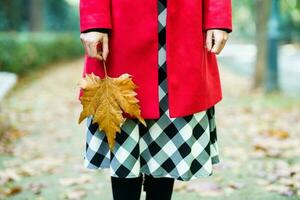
(209, 40)
(99, 55)
(86, 48)
(224, 40)
(225, 37)
(105, 48)
(218, 44)
(82, 39)
(222, 45)
(92, 46)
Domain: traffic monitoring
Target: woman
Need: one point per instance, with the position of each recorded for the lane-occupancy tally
(173, 61)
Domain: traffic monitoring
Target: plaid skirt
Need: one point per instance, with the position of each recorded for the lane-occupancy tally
(183, 148)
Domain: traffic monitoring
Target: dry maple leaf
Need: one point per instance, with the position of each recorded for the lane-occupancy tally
(106, 99)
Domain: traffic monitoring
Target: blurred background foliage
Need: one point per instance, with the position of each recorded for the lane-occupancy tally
(34, 33)
(22, 52)
(37, 15)
(245, 12)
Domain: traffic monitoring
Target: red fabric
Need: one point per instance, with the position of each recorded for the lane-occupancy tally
(192, 72)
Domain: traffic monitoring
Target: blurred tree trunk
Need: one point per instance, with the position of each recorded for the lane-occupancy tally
(10, 19)
(262, 16)
(36, 15)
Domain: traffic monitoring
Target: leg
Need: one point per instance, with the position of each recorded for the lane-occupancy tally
(158, 188)
(126, 188)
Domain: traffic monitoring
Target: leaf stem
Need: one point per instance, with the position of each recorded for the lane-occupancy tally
(104, 67)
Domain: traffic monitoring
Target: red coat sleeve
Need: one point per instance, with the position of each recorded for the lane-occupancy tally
(217, 14)
(94, 14)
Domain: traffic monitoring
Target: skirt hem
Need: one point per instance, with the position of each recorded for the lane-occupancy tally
(165, 175)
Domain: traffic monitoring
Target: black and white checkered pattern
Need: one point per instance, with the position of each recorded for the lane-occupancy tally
(182, 148)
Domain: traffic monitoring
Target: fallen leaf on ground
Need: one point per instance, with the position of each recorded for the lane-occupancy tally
(278, 133)
(75, 181)
(12, 191)
(205, 188)
(75, 194)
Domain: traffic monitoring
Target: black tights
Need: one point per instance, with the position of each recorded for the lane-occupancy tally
(130, 188)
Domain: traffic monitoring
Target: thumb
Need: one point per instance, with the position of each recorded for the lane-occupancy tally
(209, 36)
(105, 48)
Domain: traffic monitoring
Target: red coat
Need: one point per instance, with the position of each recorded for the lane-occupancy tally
(192, 72)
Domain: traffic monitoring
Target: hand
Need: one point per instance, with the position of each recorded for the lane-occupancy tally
(215, 40)
(90, 40)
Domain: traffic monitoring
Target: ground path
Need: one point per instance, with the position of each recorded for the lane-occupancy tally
(47, 161)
